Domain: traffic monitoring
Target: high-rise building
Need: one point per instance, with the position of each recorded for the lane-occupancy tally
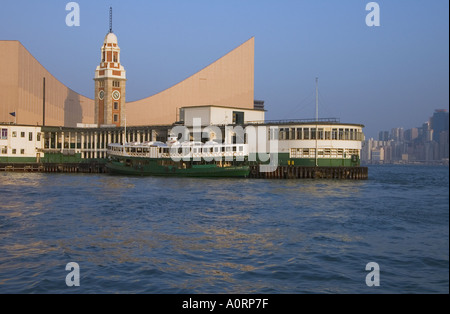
(439, 123)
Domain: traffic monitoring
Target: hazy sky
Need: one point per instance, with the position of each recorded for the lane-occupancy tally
(394, 75)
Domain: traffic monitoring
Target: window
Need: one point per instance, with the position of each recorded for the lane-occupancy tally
(14, 134)
(116, 105)
(4, 150)
(306, 134)
(292, 134)
(22, 151)
(30, 136)
(116, 84)
(320, 134)
(22, 134)
(238, 117)
(4, 134)
(341, 134)
(115, 57)
(116, 118)
(327, 135)
(14, 151)
(313, 134)
(38, 137)
(299, 134)
(334, 134)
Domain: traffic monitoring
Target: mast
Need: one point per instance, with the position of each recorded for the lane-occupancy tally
(317, 118)
(317, 99)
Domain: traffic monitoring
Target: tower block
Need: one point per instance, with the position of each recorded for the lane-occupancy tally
(110, 82)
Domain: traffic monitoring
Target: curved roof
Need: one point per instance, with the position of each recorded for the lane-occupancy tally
(227, 82)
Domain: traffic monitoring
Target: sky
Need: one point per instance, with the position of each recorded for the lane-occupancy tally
(387, 76)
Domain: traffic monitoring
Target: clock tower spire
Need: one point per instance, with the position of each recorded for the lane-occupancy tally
(110, 81)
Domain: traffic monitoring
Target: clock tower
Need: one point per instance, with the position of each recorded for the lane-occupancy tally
(110, 81)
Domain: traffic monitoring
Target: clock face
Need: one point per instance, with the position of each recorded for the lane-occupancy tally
(101, 95)
(116, 95)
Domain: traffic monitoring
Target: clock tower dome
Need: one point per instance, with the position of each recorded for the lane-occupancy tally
(110, 82)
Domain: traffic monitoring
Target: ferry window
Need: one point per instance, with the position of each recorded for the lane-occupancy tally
(305, 151)
(306, 134)
(341, 134)
(241, 148)
(313, 134)
(299, 133)
(327, 135)
(346, 134)
(4, 134)
(216, 149)
(320, 134)
(286, 134)
(30, 136)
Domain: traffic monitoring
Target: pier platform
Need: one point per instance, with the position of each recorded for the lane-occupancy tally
(299, 172)
(84, 167)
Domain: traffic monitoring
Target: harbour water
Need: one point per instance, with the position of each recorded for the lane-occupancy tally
(182, 235)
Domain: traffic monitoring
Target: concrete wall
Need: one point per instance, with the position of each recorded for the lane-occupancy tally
(21, 91)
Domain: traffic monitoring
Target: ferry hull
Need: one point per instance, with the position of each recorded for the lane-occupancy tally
(115, 167)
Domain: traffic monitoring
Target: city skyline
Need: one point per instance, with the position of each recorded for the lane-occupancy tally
(382, 77)
(428, 143)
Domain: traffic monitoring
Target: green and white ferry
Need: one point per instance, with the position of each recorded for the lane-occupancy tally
(189, 159)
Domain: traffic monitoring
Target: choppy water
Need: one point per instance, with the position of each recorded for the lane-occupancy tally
(181, 235)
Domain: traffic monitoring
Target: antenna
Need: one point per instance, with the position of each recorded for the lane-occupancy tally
(317, 99)
(110, 19)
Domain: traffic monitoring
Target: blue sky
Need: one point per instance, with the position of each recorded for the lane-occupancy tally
(390, 76)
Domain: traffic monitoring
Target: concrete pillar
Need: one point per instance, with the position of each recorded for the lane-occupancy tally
(96, 140)
(82, 146)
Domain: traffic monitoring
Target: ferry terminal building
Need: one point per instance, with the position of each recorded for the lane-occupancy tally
(52, 123)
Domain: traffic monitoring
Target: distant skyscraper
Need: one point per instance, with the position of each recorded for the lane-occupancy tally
(439, 123)
(383, 136)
